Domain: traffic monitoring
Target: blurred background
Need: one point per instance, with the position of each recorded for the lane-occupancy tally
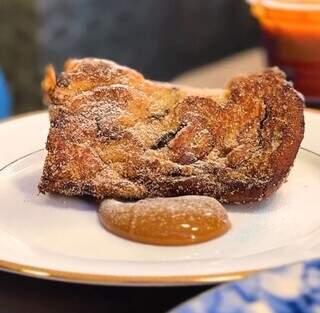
(159, 38)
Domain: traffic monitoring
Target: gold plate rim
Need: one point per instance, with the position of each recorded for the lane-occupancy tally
(102, 279)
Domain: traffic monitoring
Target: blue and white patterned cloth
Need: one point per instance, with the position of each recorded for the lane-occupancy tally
(294, 288)
(5, 101)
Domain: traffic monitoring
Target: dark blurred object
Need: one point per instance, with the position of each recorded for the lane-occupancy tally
(30, 295)
(19, 53)
(291, 33)
(159, 38)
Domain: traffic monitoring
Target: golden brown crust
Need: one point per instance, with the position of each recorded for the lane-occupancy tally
(115, 134)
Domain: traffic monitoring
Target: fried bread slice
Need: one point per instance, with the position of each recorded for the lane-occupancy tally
(114, 133)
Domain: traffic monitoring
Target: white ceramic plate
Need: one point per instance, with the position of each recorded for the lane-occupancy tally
(60, 238)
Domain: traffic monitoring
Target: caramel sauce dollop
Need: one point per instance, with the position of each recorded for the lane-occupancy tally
(166, 221)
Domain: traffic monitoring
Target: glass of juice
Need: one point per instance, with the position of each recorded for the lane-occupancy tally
(291, 34)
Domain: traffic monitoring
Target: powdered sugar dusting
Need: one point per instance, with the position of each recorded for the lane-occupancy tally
(115, 134)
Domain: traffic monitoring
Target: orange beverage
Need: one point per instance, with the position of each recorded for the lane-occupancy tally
(291, 31)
